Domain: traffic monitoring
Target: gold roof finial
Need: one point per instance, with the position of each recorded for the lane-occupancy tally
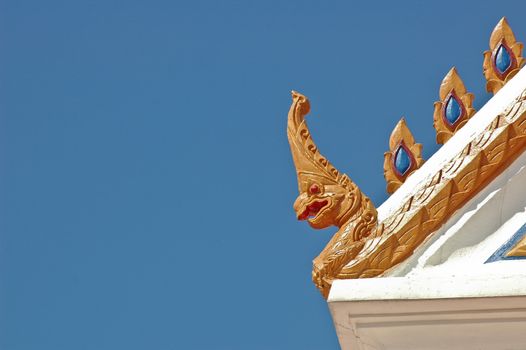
(327, 197)
(403, 158)
(311, 165)
(454, 108)
(504, 58)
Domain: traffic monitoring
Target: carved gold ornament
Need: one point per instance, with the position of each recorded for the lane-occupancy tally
(326, 198)
(433, 202)
(403, 158)
(363, 247)
(454, 108)
(504, 59)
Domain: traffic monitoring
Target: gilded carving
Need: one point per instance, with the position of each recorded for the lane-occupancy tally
(326, 198)
(365, 248)
(454, 108)
(504, 58)
(403, 158)
(469, 171)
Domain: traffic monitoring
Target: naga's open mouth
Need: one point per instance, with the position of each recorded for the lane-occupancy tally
(312, 210)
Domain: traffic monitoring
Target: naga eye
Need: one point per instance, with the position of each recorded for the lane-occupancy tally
(314, 189)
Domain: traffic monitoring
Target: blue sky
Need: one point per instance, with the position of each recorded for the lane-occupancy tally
(146, 184)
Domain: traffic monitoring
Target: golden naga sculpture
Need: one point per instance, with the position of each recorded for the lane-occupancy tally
(327, 198)
(504, 59)
(403, 158)
(454, 108)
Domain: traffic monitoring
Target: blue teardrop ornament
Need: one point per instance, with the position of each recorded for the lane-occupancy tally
(453, 111)
(402, 160)
(502, 59)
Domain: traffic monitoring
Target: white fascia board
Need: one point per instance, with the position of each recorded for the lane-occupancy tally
(432, 287)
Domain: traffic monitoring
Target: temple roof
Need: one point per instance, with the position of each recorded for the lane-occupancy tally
(477, 147)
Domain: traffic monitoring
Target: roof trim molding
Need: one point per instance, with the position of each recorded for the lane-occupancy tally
(435, 200)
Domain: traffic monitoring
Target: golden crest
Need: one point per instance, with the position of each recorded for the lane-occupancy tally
(403, 158)
(454, 108)
(327, 198)
(504, 59)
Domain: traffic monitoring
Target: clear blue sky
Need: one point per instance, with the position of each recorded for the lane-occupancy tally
(146, 184)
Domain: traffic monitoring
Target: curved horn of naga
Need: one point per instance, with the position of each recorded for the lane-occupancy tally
(327, 198)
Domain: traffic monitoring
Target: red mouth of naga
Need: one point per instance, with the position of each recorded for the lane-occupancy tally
(312, 210)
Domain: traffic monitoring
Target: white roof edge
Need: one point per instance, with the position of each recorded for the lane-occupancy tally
(475, 125)
(432, 287)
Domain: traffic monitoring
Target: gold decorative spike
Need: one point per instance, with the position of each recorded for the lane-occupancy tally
(433, 201)
(327, 197)
(454, 108)
(519, 249)
(504, 59)
(404, 156)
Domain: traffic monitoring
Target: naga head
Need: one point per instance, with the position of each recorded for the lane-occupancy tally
(326, 197)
